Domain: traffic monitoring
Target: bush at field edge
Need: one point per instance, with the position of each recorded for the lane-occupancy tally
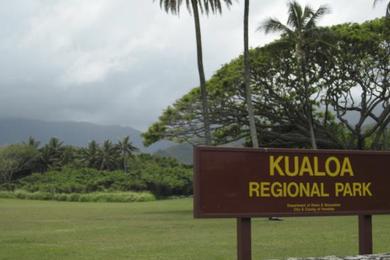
(80, 197)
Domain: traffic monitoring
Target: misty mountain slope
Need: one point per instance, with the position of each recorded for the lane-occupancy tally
(181, 152)
(80, 133)
(184, 152)
(71, 133)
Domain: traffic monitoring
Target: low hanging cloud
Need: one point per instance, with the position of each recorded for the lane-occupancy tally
(121, 62)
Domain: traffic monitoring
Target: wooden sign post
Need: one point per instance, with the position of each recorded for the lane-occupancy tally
(246, 183)
(244, 240)
(365, 234)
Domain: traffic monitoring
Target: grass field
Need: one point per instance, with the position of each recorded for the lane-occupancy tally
(164, 230)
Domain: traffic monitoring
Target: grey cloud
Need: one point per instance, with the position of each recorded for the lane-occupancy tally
(120, 62)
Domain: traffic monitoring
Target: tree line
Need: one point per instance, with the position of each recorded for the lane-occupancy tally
(54, 169)
(20, 160)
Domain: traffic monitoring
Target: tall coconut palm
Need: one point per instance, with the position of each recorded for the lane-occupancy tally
(300, 24)
(109, 155)
(248, 89)
(195, 7)
(91, 155)
(126, 149)
(51, 154)
(387, 8)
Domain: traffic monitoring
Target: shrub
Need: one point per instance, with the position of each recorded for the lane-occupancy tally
(73, 197)
(7, 187)
(7, 195)
(76, 197)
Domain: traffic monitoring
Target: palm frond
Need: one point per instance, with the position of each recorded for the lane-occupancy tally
(205, 6)
(321, 11)
(213, 6)
(188, 6)
(307, 14)
(173, 6)
(273, 25)
(209, 6)
(294, 14)
(168, 6)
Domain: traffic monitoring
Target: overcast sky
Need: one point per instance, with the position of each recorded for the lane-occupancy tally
(122, 61)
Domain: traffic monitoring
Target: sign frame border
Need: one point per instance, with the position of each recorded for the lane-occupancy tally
(197, 212)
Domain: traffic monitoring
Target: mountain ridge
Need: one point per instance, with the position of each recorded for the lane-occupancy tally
(17, 130)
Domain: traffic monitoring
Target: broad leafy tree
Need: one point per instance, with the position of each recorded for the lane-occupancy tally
(334, 72)
(17, 161)
(358, 82)
(197, 7)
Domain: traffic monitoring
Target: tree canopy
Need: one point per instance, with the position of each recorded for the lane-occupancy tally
(348, 79)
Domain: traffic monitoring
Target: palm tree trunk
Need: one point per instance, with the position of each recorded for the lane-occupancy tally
(102, 164)
(125, 163)
(203, 90)
(248, 89)
(307, 105)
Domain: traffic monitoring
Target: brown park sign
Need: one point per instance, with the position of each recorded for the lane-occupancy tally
(244, 183)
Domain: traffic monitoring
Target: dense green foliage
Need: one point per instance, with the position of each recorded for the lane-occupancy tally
(161, 176)
(53, 170)
(17, 160)
(105, 156)
(347, 70)
(80, 197)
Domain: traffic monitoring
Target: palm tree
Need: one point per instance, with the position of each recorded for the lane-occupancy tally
(387, 9)
(126, 149)
(91, 155)
(248, 89)
(300, 24)
(51, 154)
(109, 155)
(206, 7)
(32, 142)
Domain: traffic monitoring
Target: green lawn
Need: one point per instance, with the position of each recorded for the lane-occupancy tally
(164, 230)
